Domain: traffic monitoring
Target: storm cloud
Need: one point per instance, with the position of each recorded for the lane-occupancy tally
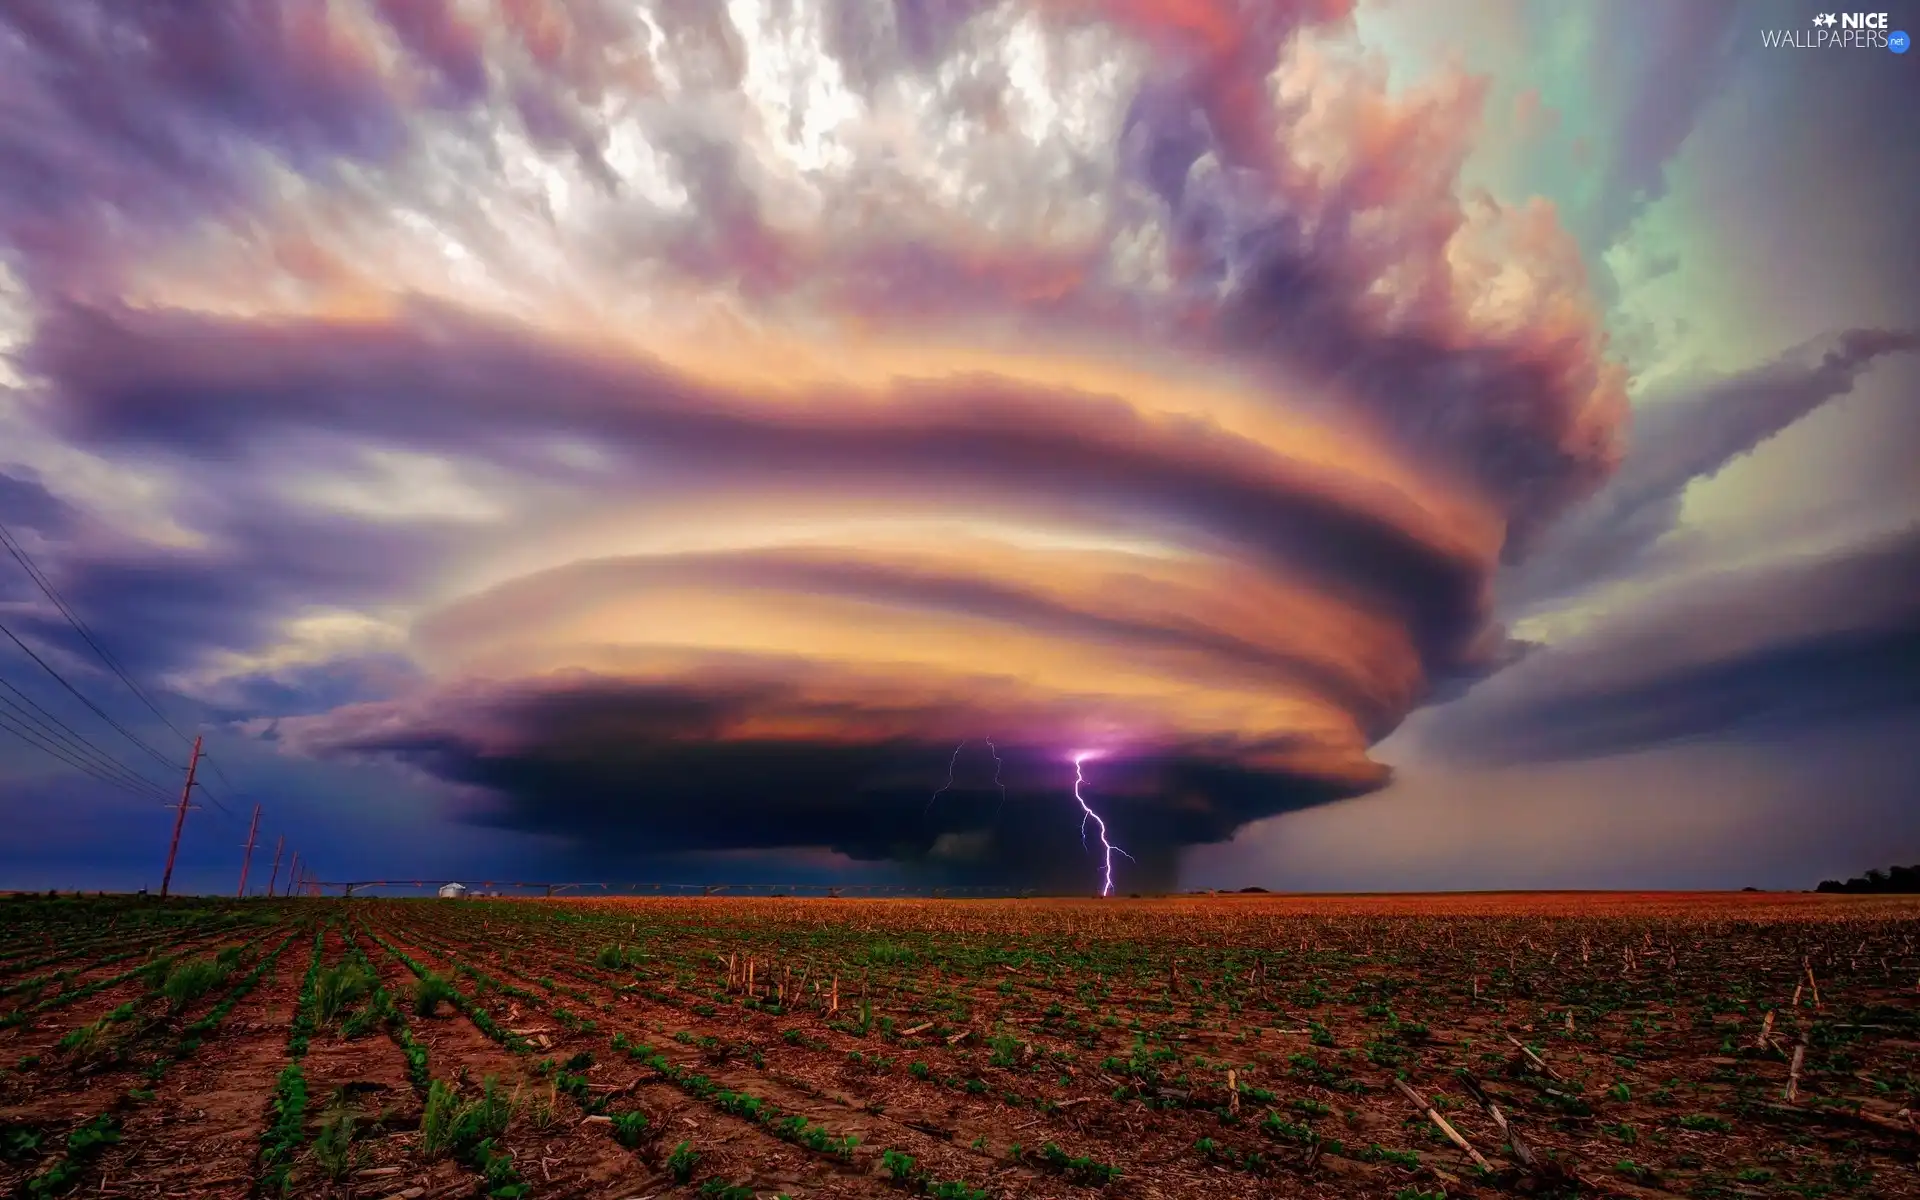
(674, 448)
(1821, 639)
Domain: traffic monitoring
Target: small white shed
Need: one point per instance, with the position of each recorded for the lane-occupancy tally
(452, 891)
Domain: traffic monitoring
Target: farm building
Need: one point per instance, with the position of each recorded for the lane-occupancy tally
(452, 891)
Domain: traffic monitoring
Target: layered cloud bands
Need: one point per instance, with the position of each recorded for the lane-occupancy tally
(776, 397)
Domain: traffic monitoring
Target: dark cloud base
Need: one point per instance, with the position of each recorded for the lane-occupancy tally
(623, 774)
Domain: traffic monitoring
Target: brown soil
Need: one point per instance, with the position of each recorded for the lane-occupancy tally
(200, 1134)
(1103, 1029)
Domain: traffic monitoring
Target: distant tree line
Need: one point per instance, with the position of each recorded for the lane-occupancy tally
(1896, 879)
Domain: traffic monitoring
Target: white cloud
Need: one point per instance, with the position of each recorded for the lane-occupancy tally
(386, 484)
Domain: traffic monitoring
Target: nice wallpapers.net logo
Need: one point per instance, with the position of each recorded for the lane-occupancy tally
(1840, 31)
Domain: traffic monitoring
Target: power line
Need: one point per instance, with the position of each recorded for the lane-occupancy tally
(74, 749)
(208, 792)
(33, 571)
(215, 764)
(207, 759)
(39, 741)
(53, 750)
(81, 696)
(80, 627)
(67, 733)
(48, 726)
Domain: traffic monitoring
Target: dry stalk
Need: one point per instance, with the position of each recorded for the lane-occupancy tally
(1539, 1063)
(1521, 1150)
(1793, 1071)
(1433, 1114)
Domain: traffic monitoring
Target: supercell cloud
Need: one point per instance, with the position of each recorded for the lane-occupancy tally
(724, 411)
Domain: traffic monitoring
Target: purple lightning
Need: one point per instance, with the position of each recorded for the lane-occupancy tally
(953, 762)
(948, 785)
(1110, 849)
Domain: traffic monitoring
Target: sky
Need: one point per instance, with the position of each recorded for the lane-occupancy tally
(1369, 444)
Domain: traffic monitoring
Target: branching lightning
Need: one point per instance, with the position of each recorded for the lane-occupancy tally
(953, 762)
(1087, 813)
(1107, 848)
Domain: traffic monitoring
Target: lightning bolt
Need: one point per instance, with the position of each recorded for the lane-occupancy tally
(995, 750)
(953, 762)
(1107, 848)
(1087, 814)
(948, 785)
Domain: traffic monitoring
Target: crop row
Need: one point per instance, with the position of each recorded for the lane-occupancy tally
(85, 1142)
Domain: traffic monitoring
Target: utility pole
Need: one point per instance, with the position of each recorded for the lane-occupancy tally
(293, 871)
(180, 818)
(278, 843)
(246, 863)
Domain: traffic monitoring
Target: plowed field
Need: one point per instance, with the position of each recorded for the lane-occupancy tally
(1371, 1046)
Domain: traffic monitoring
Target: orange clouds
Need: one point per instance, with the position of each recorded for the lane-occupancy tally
(1126, 375)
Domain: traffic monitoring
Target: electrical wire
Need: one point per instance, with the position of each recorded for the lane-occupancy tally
(208, 792)
(54, 750)
(33, 571)
(82, 697)
(20, 555)
(46, 725)
(213, 762)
